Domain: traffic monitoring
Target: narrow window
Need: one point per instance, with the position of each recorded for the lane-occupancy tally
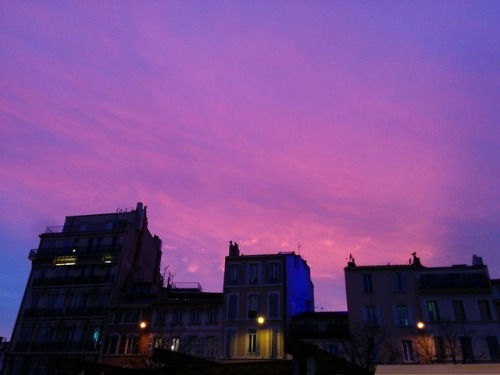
(398, 282)
(367, 282)
(253, 274)
(232, 308)
(371, 315)
(402, 315)
(493, 348)
(433, 310)
(408, 352)
(195, 316)
(467, 352)
(484, 309)
(252, 341)
(439, 348)
(273, 305)
(253, 306)
(274, 274)
(234, 274)
(459, 310)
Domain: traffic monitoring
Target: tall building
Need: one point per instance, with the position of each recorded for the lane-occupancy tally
(410, 313)
(261, 294)
(79, 273)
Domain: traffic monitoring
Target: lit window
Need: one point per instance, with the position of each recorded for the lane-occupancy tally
(252, 341)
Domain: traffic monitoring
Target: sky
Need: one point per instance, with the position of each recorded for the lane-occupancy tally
(327, 128)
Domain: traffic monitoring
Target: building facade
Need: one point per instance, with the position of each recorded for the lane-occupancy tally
(79, 272)
(414, 314)
(261, 294)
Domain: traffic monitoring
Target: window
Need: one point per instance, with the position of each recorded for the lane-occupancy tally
(493, 348)
(371, 316)
(210, 346)
(175, 344)
(433, 310)
(161, 316)
(178, 316)
(253, 306)
(367, 282)
(195, 316)
(273, 352)
(212, 315)
(484, 309)
(158, 343)
(466, 346)
(232, 308)
(459, 310)
(132, 316)
(402, 316)
(234, 274)
(439, 348)
(95, 336)
(230, 343)
(252, 342)
(274, 273)
(253, 273)
(408, 352)
(132, 344)
(273, 305)
(398, 282)
(112, 344)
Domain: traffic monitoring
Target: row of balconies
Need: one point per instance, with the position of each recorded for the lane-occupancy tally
(87, 227)
(72, 251)
(452, 281)
(73, 280)
(59, 346)
(65, 312)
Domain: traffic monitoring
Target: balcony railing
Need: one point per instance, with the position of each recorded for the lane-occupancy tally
(65, 312)
(58, 346)
(73, 251)
(87, 227)
(78, 280)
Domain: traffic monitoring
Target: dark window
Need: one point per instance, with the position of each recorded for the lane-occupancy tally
(253, 306)
(433, 310)
(493, 348)
(484, 309)
(459, 310)
(466, 346)
(367, 282)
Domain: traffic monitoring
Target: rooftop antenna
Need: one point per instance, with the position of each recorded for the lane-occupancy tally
(298, 247)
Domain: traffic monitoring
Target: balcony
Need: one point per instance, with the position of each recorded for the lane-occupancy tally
(454, 282)
(87, 227)
(72, 251)
(79, 280)
(58, 346)
(65, 312)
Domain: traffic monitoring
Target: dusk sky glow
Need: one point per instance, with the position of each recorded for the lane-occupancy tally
(370, 128)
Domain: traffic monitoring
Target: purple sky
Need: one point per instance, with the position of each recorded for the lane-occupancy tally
(370, 128)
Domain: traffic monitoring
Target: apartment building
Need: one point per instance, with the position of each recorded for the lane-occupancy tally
(80, 271)
(261, 294)
(409, 313)
(187, 320)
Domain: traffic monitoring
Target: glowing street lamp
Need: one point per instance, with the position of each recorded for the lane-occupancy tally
(143, 324)
(261, 320)
(421, 326)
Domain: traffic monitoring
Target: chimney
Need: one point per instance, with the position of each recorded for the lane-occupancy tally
(477, 261)
(233, 249)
